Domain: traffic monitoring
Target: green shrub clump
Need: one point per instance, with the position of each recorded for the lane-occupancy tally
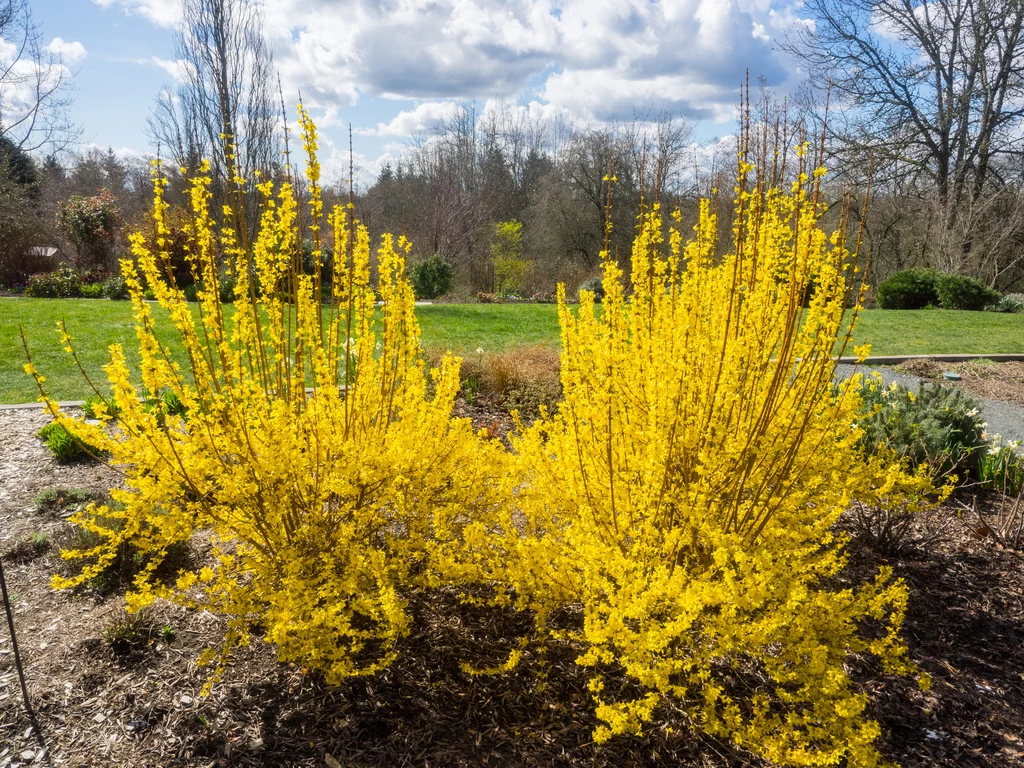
(92, 291)
(961, 292)
(937, 427)
(594, 286)
(1011, 302)
(63, 283)
(432, 278)
(115, 287)
(909, 289)
(65, 447)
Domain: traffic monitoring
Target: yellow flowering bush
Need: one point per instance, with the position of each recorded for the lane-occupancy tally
(321, 501)
(685, 491)
(683, 495)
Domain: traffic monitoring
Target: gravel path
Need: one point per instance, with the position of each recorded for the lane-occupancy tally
(1003, 418)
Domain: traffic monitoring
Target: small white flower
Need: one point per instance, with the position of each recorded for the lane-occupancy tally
(479, 350)
(972, 412)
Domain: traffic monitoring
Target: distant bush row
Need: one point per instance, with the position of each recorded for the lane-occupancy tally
(66, 283)
(918, 288)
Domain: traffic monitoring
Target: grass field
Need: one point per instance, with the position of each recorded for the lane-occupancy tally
(96, 324)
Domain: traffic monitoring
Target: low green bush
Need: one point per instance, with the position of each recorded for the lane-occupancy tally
(913, 288)
(65, 447)
(63, 283)
(432, 278)
(962, 292)
(939, 427)
(595, 286)
(92, 291)
(1011, 302)
(116, 288)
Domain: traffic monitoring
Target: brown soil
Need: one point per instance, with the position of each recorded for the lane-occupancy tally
(142, 708)
(1002, 382)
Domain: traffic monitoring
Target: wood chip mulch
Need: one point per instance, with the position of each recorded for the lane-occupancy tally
(143, 709)
(984, 379)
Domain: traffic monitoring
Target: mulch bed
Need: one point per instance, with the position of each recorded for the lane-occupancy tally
(142, 708)
(985, 379)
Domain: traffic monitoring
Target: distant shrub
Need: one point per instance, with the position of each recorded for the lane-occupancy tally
(908, 289)
(115, 287)
(91, 224)
(92, 291)
(64, 283)
(595, 286)
(961, 292)
(936, 427)
(432, 278)
(510, 267)
(1011, 302)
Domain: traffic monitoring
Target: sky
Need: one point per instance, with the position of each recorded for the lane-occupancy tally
(393, 68)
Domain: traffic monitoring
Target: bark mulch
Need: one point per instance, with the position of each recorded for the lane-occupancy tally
(140, 706)
(984, 379)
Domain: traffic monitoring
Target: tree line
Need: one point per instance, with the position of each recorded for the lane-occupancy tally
(918, 105)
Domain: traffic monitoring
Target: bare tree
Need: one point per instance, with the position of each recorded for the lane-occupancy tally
(225, 93)
(34, 82)
(932, 91)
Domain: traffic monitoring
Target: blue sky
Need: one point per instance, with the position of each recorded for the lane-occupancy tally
(393, 67)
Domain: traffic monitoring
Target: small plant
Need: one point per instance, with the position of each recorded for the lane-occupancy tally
(432, 278)
(1011, 302)
(167, 633)
(61, 284)
(1001, 468)
(961, 292)
(64, 446)
(913, 288)
(27, 550)
(54, 499)
(594, 286)
(129, 634)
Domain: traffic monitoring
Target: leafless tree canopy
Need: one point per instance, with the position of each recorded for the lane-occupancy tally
(34, 84)
(226, 88)
(476, 169)
(931, 93)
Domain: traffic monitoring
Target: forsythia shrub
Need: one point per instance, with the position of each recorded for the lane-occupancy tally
(683, 495)
(321, 506)
(685, 492)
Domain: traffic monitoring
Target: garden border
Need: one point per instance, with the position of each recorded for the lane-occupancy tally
(1003, 357)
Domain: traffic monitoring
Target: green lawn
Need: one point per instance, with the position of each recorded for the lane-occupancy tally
(96, 324)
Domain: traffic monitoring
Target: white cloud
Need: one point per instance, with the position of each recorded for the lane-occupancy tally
(422, 118)
(597, 59)
(177, 69)
(163, 13)
(70, 52)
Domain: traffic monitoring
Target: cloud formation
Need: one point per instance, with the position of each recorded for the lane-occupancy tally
(599, 59)
(70, 52)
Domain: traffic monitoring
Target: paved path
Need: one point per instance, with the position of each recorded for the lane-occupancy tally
(1003, 418)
